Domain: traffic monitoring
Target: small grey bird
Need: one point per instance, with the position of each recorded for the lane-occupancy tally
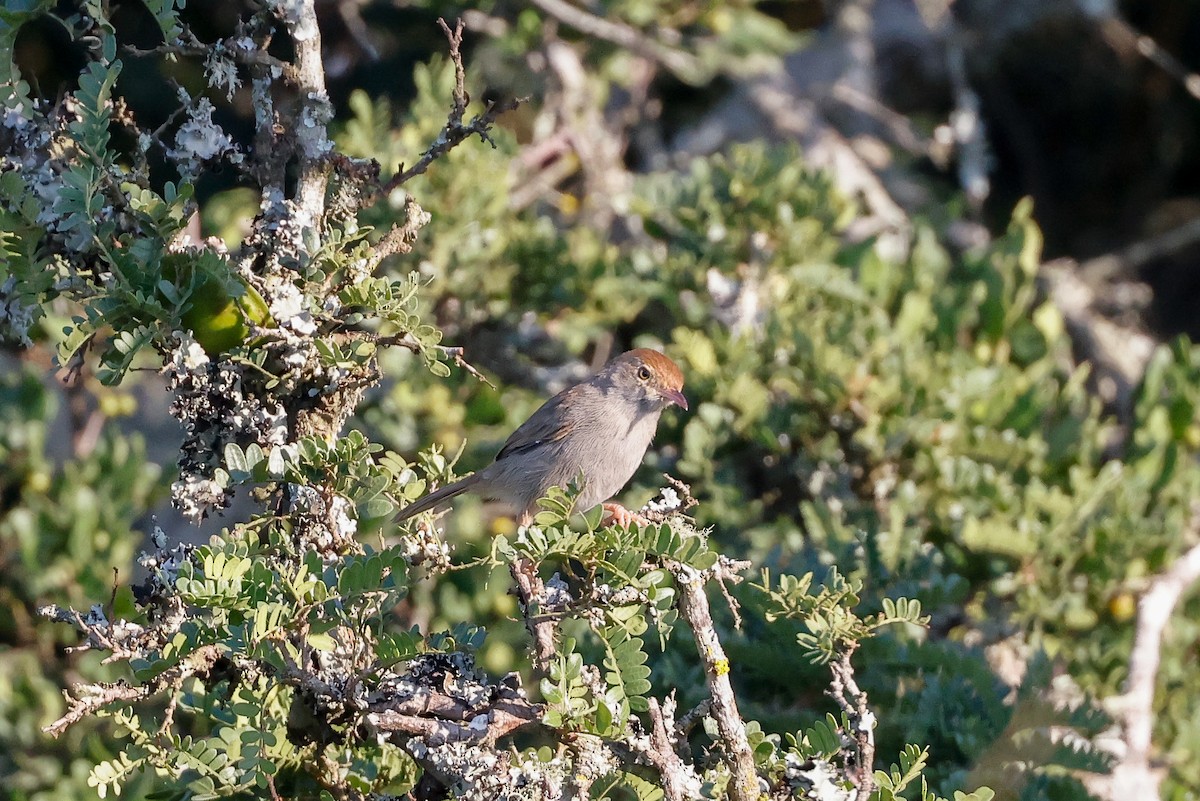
(599, 429)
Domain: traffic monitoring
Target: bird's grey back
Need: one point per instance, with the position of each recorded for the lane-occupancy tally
(591, 450)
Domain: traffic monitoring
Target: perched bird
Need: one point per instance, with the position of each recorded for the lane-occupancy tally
(599, 430)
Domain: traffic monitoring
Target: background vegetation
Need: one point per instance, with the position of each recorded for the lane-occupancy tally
(881, 385)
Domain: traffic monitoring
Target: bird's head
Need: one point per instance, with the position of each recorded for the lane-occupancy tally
(649, 377)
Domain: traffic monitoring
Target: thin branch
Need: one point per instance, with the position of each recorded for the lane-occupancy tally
(438, 719)
(91, 698)
(693, 716)
(900, 127)
(679, 781)
(1134, 776)
(531, 592)
(454, 132)
(351, 15)
(401, 237)
(853, 701)
(1121, 34)
(188, 45)
(452, 352)
(1128, 261)
(693, 607)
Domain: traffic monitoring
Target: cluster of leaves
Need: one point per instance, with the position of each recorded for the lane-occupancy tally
(251, 602)
(613, 585)
(82, 221)
(624, 587)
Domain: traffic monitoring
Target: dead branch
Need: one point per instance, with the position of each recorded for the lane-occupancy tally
(454, 132)
(679, 781)
(693, 607)
(853, 701)
(1134, 776)
(531, 592)
(438, 718)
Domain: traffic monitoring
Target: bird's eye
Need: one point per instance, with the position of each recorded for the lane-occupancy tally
(643, 373)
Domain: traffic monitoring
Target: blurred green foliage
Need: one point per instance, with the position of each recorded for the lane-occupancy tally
(66, 536)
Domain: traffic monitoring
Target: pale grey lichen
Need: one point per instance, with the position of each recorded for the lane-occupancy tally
(195, 496)
(815, 779)
(344, 524)
(215, 411)
(221, 70)
(478, 774)
(301, 25)
(421, 545)
(264, 106)
(200, 140)
(558, 593)
(288, 306)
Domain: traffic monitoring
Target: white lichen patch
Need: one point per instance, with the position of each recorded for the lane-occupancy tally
(200, 140)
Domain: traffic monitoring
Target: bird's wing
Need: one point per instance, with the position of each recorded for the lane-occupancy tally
(550, 423)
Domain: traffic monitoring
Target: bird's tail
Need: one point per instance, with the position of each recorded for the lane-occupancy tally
(436, 497)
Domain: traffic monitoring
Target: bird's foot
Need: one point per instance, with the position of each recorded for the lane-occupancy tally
(617, 515)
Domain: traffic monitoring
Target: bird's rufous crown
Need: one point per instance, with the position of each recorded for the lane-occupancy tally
(669, 374)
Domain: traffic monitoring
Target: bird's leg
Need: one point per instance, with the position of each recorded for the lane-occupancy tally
(617, 515)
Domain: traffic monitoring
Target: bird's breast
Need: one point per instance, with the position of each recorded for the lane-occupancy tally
(608, 456)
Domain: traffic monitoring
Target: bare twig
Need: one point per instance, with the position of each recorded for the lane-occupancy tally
(693, 607)
(188, 45)
(853, 701)
(1136, 255)
(455, 131)
(1121, 34)
(311, 136)
(531, 592)
(456, 353)
(679, 781)
(899, 127)
(1134, 776)
(452, 352)
(91, 698)
(683, 490)
(401, 237)
(693, 716)
(361, 34)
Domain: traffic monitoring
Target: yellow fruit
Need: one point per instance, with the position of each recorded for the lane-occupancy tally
(38, 482)
(1122, 606)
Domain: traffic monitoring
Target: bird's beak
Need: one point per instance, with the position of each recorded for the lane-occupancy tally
(676, 397)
